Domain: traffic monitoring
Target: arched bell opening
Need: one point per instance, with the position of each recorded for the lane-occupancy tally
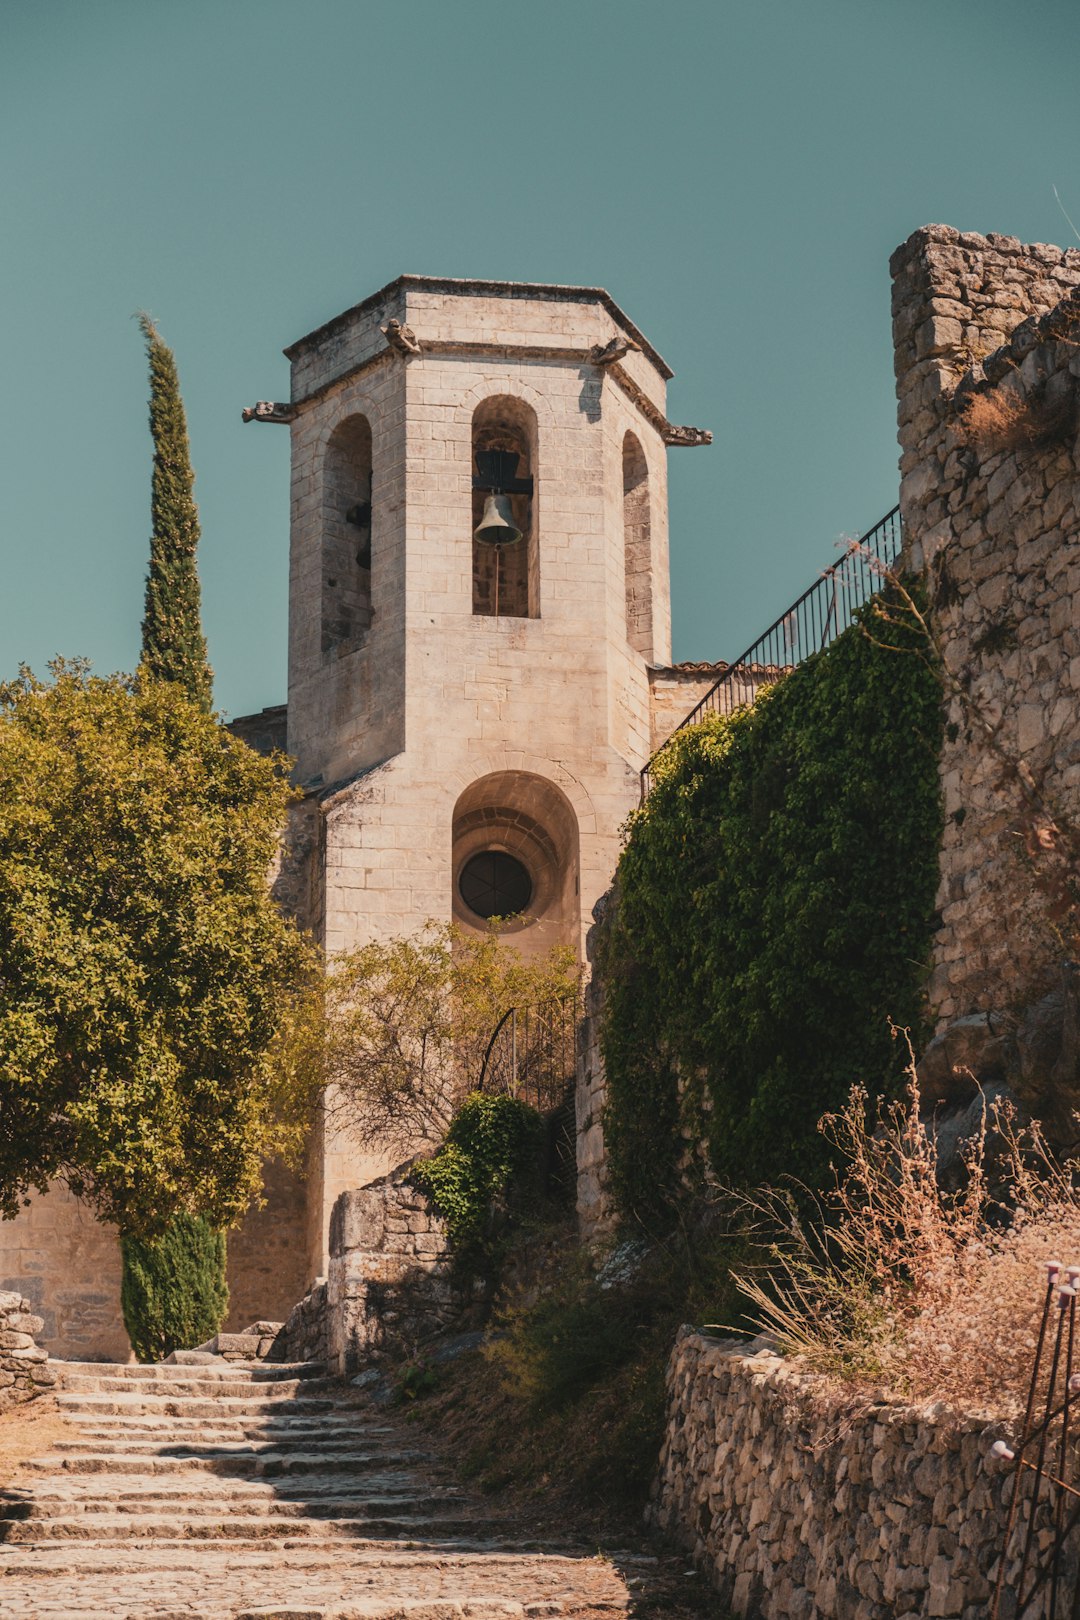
(637, 547)
(505, 551)
(516, 859)
(346, 538)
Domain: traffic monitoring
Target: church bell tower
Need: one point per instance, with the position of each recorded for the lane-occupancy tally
(478, 588)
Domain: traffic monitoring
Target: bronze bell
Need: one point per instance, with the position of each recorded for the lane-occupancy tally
(497, 526)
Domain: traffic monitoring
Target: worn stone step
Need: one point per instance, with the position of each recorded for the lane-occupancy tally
(388, 1606)
(213, 1367)
(385, 1494)
(242, 1493)
(125, 1444)
(307, 1439)
(385, 1522)
(193, 1406)
(266, 1389)
(489, 1557)
(266, 1463)
(167, 1425)
(214, 1379)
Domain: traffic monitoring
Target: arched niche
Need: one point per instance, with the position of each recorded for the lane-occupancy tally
(346, 538)
(516, 819)
(637, 547)
(506, 580)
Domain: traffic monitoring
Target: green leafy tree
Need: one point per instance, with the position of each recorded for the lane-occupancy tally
(145, 971)
(173, 644)
(173, 1293)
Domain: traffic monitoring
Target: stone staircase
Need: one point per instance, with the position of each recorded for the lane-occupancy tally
(225, 1491)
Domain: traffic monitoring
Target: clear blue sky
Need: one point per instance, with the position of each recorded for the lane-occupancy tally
(736, 174)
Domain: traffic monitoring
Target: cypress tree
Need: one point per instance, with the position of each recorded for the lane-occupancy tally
(173, 1292)
(173, 644)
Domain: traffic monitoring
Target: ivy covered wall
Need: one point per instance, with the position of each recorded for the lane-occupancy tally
(774, 912)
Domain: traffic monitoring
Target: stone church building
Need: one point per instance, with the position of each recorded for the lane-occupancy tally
(479, 667)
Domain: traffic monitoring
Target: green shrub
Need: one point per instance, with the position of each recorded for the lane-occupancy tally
(493, 1144)
(775, 908)
(173, 1294)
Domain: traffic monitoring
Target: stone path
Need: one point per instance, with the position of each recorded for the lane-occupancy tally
(223, 1492)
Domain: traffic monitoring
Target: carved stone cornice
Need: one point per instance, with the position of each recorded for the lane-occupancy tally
(668, 431)
(604, 357)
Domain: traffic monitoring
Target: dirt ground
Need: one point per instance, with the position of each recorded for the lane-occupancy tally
(486, 1437)
(29, 1431)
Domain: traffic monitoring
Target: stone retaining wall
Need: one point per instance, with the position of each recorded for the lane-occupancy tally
(800, 1506)
(24, 1366)
(305, 1330)
(390, 1284)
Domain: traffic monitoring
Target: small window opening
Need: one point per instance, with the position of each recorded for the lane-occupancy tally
(346, 530)
(506, 578)
(637, 548)
(495, 884)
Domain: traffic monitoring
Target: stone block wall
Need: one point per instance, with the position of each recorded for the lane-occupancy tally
(996, 527)
(596, 1216)
(305, 1330)
(57, 1254)
(390, 1282)
(800, 1507)
(24, 1366)
(267, 1265)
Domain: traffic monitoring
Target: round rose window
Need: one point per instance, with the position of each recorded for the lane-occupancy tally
(494, 884)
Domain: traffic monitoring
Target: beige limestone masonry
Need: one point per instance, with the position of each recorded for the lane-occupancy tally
(997, 530)
(68, 1266)
(800, 1505)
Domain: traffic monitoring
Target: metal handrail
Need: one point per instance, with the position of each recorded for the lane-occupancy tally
(536, 1060)
(823, 612)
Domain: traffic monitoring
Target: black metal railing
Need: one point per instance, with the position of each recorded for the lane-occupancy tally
(821, 614)
(532, 1053)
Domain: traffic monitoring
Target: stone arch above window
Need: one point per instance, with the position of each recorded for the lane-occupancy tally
(637, 547)
(515, 855)
(346, 538)
(506, 579)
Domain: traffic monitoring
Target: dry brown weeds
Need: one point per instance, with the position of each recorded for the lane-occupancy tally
(928, 1293)
(1005, 421)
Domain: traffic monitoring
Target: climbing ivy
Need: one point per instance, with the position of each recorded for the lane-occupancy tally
(774, 911)
(492, 1143)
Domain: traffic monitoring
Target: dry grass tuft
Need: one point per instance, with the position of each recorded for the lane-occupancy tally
(1004, 421)
(929, 1293)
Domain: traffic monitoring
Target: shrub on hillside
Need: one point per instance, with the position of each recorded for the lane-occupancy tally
(493, 1147)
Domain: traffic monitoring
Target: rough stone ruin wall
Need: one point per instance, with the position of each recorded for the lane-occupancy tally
(994, 519)
(24, 1365)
